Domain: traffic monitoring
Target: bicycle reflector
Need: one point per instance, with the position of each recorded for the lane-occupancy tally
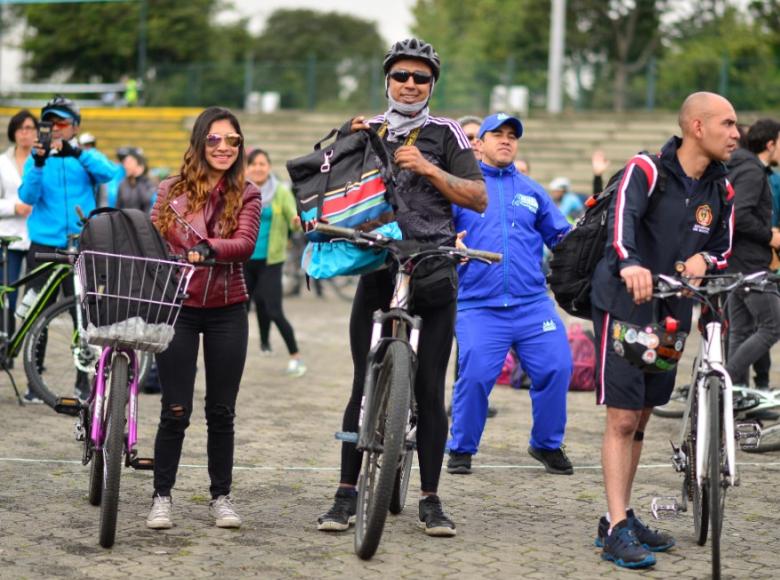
(655, 348)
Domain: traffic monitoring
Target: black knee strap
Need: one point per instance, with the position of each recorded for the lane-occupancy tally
(639, 435)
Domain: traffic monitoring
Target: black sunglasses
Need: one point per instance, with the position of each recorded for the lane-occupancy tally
(403, 75)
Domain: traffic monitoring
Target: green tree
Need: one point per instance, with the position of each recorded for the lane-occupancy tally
(327, 56)
(615, 39)
(100, 40)
(483, 43)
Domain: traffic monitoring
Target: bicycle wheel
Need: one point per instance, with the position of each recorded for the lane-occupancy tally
(113, 449)
(343, 287)
(716, 475)
(96, 477)
(57, 361)
(381, 460)
(675, 408)
(696, 493)
(401, 485)
(769, 441)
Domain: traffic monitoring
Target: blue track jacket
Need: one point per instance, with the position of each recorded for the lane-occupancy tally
(519, 219)
(54, 191)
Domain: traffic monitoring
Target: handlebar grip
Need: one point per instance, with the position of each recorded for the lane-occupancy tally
(483, 255)
(334, 231)
(52, 257)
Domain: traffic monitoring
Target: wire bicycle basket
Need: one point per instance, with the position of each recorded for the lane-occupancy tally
(131, 301)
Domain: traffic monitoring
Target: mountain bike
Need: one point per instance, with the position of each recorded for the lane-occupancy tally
(705, 450)
(130, 305)
(58, 361)
(388, 415)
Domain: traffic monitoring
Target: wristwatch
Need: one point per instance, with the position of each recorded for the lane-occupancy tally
(709, 260)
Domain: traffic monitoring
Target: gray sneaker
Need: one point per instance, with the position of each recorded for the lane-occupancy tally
(160, 515)
(222, 510)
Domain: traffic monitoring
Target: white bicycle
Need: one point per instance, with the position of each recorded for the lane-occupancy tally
(706, 447)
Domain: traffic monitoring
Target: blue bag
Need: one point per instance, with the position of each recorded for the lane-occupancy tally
(340, 258)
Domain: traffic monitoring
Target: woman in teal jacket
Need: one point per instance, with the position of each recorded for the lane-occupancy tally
(264, 270)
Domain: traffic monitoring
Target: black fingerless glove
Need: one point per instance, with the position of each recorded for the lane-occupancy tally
(203, 249)
(39, 160)
(68, 150)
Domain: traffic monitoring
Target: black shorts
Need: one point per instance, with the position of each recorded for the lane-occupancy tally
(620, 384)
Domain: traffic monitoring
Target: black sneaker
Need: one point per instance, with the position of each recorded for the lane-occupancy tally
(623, 548)
(433, 519)
(459, 463)
(653, 540)
(31, 398)
(555, 461)
(339, 517)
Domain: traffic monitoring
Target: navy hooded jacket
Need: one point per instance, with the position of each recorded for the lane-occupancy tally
(692, 216)
(520, 218)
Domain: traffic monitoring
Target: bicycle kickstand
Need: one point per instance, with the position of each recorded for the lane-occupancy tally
(13, 384)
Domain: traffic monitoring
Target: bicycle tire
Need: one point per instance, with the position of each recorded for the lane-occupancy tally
(769, 441)
(377, 481)
(343, 287)
(401, 485)
(96, 477)
(716, 490)
(113, 449)
(698, 494)
(50, 351)
(675, 408)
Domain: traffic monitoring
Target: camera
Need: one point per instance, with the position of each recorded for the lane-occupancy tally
(44, 135)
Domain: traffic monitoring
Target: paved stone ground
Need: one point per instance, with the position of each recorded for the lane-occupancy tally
(513, 519)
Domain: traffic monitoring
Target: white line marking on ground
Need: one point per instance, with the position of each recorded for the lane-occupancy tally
(304, 468)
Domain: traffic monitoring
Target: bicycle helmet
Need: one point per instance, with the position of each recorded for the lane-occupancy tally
(416, 49)
(655, 348)
(62, 107)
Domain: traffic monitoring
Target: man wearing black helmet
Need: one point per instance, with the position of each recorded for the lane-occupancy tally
(59, 176)
(437, 168)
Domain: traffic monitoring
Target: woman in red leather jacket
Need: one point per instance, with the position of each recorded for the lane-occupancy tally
(209, 211)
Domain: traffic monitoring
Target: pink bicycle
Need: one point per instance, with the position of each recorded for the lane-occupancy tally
(131, 304)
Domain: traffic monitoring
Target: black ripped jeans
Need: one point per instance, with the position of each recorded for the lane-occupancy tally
(225, 333)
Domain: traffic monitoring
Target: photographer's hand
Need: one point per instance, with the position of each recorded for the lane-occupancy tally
(68, 150)
(39, 154)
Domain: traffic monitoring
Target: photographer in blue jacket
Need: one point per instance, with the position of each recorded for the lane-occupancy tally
(59, 176)
(506, 305)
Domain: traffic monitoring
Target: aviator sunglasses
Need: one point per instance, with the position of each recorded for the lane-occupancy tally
(214, 139)
(402, 76)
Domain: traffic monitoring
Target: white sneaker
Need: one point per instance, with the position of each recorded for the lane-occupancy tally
(222, 510)
(296, 368)
(160, 515)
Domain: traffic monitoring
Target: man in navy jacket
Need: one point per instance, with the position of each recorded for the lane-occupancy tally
(507, 305)
(692, 222)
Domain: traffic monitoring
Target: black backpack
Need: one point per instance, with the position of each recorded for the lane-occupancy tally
(574, 259)
(118, 289)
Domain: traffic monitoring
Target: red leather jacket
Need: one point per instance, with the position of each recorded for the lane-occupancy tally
(224, 284)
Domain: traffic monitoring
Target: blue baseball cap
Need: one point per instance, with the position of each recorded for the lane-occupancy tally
(493, 122)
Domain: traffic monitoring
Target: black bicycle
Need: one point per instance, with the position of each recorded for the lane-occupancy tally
(388, 424)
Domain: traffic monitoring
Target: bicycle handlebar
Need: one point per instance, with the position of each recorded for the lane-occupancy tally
(375, 239)
(58, 256)
(666, 286)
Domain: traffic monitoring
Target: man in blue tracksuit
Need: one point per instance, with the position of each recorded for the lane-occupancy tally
(505, 305)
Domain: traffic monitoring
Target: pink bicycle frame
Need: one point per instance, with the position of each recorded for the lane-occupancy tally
(98, 431)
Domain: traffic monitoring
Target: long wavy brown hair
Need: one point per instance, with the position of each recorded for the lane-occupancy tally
(193, 176)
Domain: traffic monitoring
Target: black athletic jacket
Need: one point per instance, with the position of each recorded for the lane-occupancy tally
(691, 216)
(753, 208)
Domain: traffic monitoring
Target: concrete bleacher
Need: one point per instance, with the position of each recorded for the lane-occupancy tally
(555, 146)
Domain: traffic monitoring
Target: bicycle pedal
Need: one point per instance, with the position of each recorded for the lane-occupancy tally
(347, 436)
(68, 406)
(665, 507)
(142, 463)
(747, 435)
